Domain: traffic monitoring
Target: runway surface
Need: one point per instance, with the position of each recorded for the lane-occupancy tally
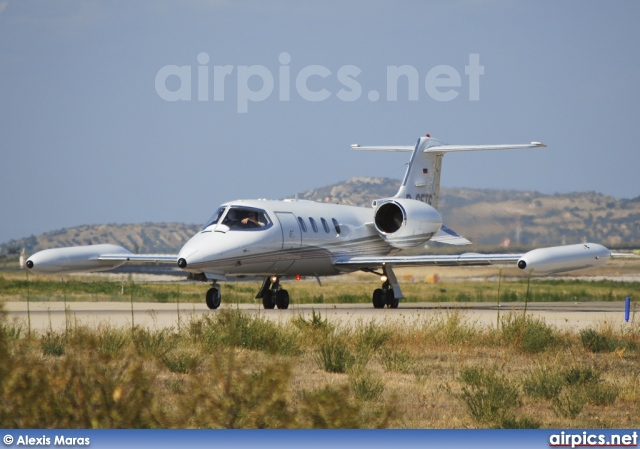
(51, 315)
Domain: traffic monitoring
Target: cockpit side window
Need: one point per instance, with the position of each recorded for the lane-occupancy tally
(246, 218)
(214, 218)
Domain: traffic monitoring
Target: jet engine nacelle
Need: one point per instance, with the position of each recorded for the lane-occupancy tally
(75, 259)
(564, 258)
(404, 223)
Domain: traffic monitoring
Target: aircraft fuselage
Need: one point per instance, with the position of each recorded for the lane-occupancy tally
(293, 238)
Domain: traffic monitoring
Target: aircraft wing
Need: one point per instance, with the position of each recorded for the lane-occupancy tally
(556, 259)
(155, 258)
(429, 260)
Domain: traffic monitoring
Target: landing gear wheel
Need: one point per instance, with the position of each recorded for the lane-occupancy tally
(378, 298)
(391, 300)
(269, 300)
(282, 299)
(213, 298)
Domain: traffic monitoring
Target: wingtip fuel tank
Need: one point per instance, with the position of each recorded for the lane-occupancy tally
(75, 259)
(558, 259)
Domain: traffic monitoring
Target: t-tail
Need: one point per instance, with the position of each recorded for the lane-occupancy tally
(422, 179)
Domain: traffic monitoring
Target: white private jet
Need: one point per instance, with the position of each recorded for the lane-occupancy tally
(294, 238)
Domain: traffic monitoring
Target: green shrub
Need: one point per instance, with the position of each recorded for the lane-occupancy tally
(366, 387)
(511, 422)
(537, 337)
(595, 341)
(314, 323)
(396, 360)
(544, 383)
(11, 332)
(111, 342)
(330, 408)
(569, 403)
(334, 355)
(154, 343)
(183, 361)
(528, 333)
(53, 343)
(233, 328)
(371, 335)
(488, 397)
(578, 375)
(602, 394)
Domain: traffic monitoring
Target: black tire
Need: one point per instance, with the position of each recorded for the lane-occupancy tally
(282, 299)
(213, 298)
(378, 298)
(391, 299)
(268, 300)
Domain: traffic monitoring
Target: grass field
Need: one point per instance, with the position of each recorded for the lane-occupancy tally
(229, 369)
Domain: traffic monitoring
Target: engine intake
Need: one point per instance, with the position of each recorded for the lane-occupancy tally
(405, 223)
(390, 217)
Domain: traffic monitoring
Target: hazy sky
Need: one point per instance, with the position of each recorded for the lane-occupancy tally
(121, 111)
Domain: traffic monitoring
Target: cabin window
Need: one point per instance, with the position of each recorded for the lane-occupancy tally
(246, 218)
(314, 226)
(336, 225)
(302, 224)
(325, 225)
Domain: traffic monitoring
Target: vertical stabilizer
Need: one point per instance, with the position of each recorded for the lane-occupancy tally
(422, 179)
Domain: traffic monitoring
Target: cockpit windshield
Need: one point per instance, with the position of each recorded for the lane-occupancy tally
(242, 218)
(215, 217)
(239, 218)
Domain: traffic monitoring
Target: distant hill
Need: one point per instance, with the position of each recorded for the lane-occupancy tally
(139, 238)
(486, 217)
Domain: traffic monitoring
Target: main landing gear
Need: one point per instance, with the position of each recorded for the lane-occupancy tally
(272, 295)
(385, 296)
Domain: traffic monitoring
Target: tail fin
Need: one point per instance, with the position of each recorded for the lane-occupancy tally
(422, 179)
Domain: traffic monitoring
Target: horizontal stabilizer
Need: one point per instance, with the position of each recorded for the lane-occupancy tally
(443, 148)
(450, 237)
(392, 149)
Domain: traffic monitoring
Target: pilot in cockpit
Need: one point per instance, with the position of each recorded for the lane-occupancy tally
(251, 220)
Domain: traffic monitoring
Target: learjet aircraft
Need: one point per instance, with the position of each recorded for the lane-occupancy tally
(287, 239)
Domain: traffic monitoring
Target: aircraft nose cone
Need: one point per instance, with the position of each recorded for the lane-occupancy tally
(29, 264)
(182, 263)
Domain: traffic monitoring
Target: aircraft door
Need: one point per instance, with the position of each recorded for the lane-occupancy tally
(291, 235)
(291, 240)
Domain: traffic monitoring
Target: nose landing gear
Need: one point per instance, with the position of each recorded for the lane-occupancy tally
(213, 297)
